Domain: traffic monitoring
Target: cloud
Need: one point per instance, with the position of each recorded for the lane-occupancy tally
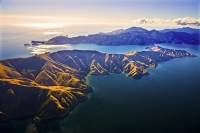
(187, 21)
(179, 21)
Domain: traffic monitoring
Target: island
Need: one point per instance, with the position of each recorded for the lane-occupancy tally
(132, 36)
(51, 85)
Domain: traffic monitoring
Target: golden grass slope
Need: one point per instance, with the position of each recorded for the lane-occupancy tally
(51, 85)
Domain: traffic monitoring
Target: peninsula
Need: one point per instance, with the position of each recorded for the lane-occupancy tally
(51, 85)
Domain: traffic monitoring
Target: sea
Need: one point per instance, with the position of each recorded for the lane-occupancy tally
(166, 101)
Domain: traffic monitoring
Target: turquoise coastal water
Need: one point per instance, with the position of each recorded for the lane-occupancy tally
(166, 101)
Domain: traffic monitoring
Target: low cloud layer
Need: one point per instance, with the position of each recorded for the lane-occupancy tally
(179, 21)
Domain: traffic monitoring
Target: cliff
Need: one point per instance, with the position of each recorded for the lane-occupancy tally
(51, 85)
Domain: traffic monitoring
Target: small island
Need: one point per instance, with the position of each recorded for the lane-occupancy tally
(51, 85)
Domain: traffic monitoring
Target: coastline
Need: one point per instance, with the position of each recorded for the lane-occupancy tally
(68, 70)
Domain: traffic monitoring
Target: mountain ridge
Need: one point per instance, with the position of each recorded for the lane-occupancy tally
(184, 29)
(134, 36)
(51, 85)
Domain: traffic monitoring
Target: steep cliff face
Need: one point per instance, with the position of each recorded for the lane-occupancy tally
(51, 85)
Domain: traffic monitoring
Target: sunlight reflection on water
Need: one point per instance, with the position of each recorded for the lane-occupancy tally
(41, 49)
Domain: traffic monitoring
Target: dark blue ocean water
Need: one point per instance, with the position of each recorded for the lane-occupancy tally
(166, 101)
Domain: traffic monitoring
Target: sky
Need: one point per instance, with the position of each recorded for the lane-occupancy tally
(52, 12)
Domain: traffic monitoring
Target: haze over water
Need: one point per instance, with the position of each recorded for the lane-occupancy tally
(14, 37)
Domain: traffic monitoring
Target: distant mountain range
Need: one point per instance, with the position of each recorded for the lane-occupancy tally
(134, 36)
(184, 29)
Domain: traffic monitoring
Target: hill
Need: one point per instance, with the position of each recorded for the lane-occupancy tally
(51, 85)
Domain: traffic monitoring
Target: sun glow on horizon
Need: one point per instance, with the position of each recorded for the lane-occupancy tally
(51, 33)
(43, 21)
(43, 25)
